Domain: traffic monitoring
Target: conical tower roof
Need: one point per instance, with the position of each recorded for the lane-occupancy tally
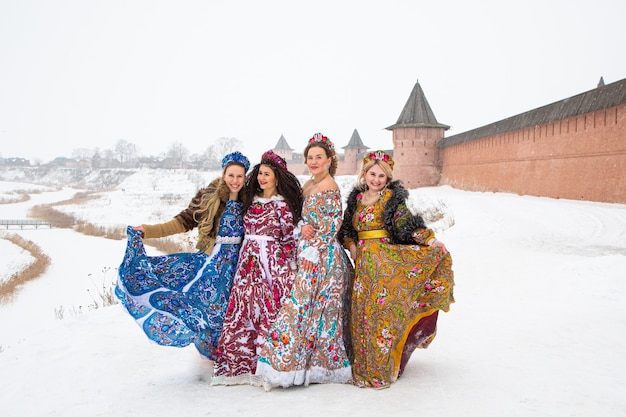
(417, 112)
(282, 145)
(355, 142)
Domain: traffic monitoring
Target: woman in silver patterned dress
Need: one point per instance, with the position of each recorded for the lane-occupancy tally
(307, 343)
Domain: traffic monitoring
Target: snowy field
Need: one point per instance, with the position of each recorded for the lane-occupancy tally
(537, 328)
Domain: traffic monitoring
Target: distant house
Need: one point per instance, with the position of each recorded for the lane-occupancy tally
(62, 161)
(15, 162)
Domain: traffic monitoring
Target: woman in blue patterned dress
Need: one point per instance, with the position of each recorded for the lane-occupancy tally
(180, 299)
(307, 343)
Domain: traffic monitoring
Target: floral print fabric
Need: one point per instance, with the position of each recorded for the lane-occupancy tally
(307, 342)
(262, 282)
(181, 298)
(397, 291)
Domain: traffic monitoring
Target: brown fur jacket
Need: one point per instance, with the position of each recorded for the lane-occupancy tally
(186, 219)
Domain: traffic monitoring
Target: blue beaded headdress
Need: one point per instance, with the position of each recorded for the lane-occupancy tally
(237, 157)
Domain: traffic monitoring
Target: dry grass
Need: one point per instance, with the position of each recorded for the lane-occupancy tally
(21, 196)
(9, 288)
(90, 229)
(55, 217)
(105, 291)
(77, 199)
(63, 220)
(20, 199)
(166, 245)
(104, 297)
(60, 219)
(433, 214)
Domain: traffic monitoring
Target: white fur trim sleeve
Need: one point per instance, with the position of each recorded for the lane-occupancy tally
(310, 254)
(297, 231)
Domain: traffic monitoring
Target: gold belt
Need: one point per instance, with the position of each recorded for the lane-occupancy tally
(373, 234)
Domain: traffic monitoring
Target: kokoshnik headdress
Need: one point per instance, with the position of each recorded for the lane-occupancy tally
(379, 156)
(276, 159)
(318, 137)
(235, 157)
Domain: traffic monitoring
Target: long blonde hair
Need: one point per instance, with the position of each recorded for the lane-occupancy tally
(209, 205)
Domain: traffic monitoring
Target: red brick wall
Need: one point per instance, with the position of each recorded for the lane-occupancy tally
(583, 157)
(349, 165)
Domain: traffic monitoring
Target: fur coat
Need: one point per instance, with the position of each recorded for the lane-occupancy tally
(186, 220)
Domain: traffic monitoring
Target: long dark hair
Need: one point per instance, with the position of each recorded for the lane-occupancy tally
(288, 186)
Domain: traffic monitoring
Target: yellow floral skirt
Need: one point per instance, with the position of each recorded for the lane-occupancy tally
(397, 293)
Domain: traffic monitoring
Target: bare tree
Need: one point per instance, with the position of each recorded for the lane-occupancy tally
(225, 146)
(96, 159)
(196, 161)
(82, 153)
(212, 157)
(110, 159)
(176, 155)
(125, 151)
(222, 146)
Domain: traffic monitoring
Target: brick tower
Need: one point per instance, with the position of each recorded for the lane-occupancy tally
(352, 155)
(283, 149)
(416, 137)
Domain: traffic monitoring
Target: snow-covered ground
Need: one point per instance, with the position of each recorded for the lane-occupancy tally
(537, 328)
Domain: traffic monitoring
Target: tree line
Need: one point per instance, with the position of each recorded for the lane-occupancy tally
(125, 155)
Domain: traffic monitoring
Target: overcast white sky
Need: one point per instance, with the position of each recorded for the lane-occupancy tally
(85, 74)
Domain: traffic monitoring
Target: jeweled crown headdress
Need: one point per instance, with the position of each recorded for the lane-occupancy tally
(237, 157)
(379, 156)
(318, 137)
(271, 156)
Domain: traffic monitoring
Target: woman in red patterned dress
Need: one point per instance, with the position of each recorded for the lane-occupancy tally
(265, 270)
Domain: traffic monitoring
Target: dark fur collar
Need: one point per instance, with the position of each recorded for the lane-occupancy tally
(398, 234)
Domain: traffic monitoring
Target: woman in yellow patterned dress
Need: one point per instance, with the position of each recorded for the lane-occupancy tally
(403, 275)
